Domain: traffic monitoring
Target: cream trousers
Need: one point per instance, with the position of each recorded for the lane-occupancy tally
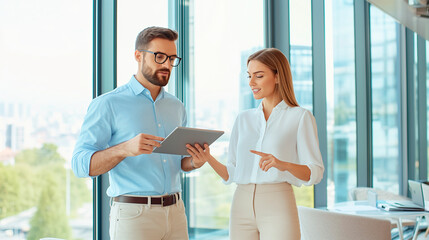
(264, 211)
(144, 222)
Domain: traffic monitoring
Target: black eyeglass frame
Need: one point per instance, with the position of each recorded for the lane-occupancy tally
(168, 57)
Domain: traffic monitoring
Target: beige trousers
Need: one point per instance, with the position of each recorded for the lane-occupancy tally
(264, 211)
(144, 222)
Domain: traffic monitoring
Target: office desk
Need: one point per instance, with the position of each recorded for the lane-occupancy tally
(364, 209)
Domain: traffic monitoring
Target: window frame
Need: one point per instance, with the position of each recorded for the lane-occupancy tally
(276, 29)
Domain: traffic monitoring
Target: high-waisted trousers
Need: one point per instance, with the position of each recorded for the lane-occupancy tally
(264, 211)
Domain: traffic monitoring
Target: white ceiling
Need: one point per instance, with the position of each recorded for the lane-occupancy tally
(405, 14)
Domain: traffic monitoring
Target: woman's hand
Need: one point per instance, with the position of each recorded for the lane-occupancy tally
(198, 154)
(268, 161)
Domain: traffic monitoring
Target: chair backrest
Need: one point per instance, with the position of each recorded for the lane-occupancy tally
(323, 225)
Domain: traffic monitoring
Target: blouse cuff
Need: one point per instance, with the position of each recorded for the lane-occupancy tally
(231, 170)
(316, 174)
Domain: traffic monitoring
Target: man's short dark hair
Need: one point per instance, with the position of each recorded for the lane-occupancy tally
(150, 33)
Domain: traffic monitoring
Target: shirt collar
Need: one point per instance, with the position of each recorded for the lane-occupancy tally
(138, 88)
(280, 105)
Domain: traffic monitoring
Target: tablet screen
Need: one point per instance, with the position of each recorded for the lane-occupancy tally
(175, 142)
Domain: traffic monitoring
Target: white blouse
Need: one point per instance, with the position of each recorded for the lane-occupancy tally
(290, 134)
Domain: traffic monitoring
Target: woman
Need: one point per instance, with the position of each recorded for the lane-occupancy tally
(271, 147)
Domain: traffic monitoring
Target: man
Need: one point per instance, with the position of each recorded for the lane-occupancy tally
(120, 131)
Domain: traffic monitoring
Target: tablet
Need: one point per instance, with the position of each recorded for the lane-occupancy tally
(175, 142)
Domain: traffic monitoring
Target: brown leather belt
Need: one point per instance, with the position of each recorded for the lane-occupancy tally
(166, 200)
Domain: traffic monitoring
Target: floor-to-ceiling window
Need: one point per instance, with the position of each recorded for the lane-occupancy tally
(45, 88)
(302, 70)
(386, 98)
(133, 17)
(222, 36)
(341, 99)
(301, 51)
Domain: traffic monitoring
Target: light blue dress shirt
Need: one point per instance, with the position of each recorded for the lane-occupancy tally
(120, 115)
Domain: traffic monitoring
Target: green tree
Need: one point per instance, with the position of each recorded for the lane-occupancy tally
(9, 191)
(304, 196)
(50, 219)
(79, 192)
(40, 157)
(213, 201)
(29, 186)
(33, 164)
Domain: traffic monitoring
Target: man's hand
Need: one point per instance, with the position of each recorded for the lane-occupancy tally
(141, 144)
(104, 160)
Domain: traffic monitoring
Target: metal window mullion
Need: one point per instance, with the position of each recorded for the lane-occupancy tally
(181, 22)
(96, 183)
(276, 25)
(408, 67)
(180, 8)
(104, 80)
(319, 92)
(402, 119)
(363, 93)
(422, 107)
(268, 23)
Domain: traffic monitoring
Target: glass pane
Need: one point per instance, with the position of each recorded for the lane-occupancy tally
(302, 71)
(218, 91)
(46, 86)
(301, 51)
(341, 98)
(133, 17)
(385, 79)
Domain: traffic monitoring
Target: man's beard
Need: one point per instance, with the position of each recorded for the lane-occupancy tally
(153, 77)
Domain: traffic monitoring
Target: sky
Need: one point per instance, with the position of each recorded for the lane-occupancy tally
(46, 45)
(46, 52)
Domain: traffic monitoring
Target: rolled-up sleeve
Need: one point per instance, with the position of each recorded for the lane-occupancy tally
(232, 154)
(94, 136)
(308, 148)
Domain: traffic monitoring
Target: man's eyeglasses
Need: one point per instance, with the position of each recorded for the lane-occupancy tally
(162, 57)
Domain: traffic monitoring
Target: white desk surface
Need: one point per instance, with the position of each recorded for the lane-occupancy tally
(363, 208)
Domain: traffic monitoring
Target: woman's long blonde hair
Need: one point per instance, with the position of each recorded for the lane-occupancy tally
(278, 63)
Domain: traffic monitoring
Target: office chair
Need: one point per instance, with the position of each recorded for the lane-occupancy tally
(324, 225)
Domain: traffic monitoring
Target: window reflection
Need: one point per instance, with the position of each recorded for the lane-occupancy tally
(46, 85)
(218, 90)
(133, 17)
(301, 63)
(341, 103)
(385, 101)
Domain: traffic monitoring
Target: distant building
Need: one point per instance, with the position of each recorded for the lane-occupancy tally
(15, 136)
(7, 157)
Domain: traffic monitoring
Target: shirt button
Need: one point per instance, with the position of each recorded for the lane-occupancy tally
(164, 160)
(159, 124)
